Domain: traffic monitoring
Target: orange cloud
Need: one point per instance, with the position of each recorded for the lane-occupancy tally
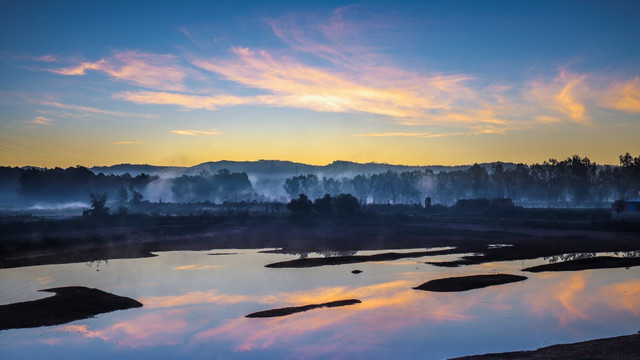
(148, 70)
(292, 84)
(624, 97)
(567, 100)
(564, 95)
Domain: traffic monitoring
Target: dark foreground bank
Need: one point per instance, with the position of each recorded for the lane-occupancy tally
(67, 305)
(620, 348)
(530, 232)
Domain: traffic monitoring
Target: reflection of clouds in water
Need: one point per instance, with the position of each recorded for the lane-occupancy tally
(151, 329)
(182, 313)
(192, 298)
(196, 267)
(385, 308)
(624, 296)
(563, 300)
(577, 298)
(43, 280)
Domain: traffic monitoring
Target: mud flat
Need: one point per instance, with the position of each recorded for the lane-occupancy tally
(68, 304)
(353, 259)
(464, 283)
(297, 309)
(601, 262)
(621, 348)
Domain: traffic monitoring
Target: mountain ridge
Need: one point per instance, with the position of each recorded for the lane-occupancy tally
(279, 168)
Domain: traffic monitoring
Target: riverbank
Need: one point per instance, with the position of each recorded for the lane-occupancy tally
(620, 348)
(81, 240)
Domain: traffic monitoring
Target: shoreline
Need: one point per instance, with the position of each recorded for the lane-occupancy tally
(625, 347)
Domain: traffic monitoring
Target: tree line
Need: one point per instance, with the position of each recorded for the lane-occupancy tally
(77, 183)
(574, 179)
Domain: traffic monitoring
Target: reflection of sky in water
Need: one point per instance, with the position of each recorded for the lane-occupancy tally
(194, 307)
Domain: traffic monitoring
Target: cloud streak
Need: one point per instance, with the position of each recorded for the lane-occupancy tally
(41, 120)
(326, 66)
(92, 110)
(160, 72)
(624, 97)
(126, 142)
(388, 92)
(195, 132)
(563, 97)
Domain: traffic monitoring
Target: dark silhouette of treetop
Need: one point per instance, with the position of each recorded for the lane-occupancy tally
(300, 206)
(323, 205)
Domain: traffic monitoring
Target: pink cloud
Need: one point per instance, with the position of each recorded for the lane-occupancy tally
(41, 120)
(153, 71)
(389, 92)
(195, 133)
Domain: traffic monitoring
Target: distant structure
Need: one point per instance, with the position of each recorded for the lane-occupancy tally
(623, 209)
(503, 203)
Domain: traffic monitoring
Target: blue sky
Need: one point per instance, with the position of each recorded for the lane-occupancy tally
(437, 82)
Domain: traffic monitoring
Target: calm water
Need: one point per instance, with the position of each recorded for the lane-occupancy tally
(195, 303)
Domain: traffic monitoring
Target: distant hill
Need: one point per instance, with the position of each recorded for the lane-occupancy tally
(278, 168)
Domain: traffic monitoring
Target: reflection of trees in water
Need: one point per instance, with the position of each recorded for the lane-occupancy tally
(96, 263)
(628, 254)
(304, 255)
(569, 257)
(589, 255)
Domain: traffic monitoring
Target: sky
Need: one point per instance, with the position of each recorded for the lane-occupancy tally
(401, 82)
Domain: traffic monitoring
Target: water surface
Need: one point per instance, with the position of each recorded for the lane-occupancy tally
(195, 306)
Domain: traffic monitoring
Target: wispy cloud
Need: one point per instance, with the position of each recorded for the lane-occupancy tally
(185, 100)
(623, 96)
(564, 96)
(155, 71)
(407, 134)
(195, 132)
(92, 110)
(389, 92)
(41, 120)
(126, 142)
(327, 66)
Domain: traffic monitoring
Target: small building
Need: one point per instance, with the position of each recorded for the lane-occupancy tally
(626, 209)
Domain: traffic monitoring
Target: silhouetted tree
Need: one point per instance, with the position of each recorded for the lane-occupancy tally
(98, 206)
(323, 205)
(300, 206)
(346, 204)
